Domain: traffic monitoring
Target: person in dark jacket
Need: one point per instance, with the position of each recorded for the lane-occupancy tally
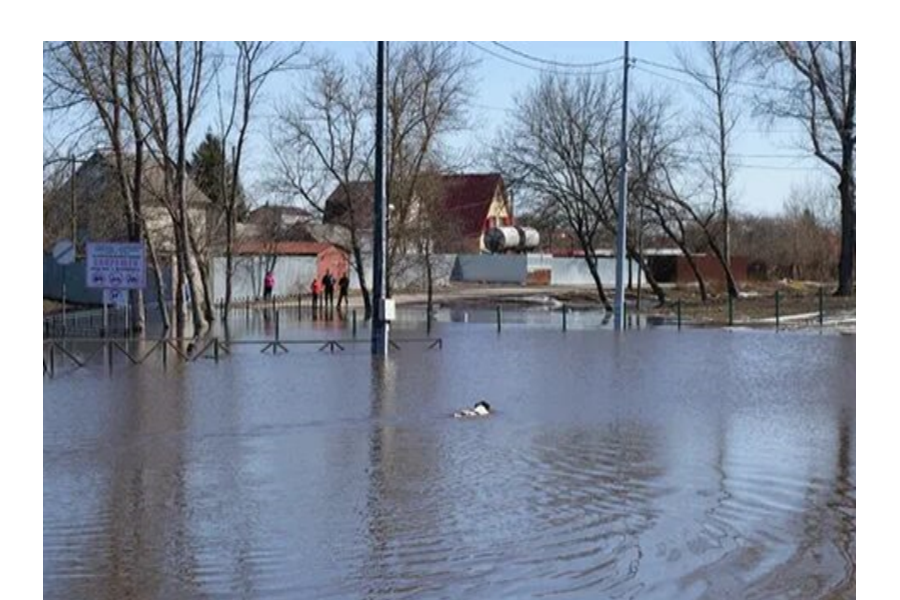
(343, 290)
(328, 284)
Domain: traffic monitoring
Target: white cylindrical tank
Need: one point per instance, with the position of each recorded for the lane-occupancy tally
(511, 239)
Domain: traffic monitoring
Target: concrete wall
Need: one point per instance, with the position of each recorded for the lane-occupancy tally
(574, 271)
(514, 268)
(491, 268)
(409, 274)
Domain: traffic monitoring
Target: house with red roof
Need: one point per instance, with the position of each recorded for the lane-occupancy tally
(472, 203)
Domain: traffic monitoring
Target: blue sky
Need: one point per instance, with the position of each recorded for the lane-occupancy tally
(773, 161)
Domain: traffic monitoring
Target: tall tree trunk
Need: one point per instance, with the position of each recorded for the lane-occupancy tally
(847, 189)
(229, 260)
(704, 295)
(591, 258)
(185, 242)
(361, 277)
(429, 281)
(178, 283)
(160, 286)
(729, 275)
(654, 285)
(203, 268)
(714, 246)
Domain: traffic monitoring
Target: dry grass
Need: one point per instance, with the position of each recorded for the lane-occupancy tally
(757, 302)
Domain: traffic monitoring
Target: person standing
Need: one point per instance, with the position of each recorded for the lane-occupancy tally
(268, 285)
(315, 289)
(343, 290)
(328, 283)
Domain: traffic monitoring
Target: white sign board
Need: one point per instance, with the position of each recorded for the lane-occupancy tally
(64, 252)
(118, 266)
(115, 297)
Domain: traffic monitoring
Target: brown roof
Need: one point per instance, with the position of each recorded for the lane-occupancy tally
(360, 194)
(257, 248)
(466, 197)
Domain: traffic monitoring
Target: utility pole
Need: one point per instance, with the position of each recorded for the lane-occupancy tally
(73, 221)
(619, 314)
(388, 169)
(380, 328)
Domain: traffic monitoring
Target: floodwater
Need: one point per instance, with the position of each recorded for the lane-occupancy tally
(662, 464)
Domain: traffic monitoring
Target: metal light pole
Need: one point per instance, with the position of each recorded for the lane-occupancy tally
(380, 331)
(619, 315)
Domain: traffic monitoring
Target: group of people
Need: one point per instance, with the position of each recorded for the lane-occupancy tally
(321, 289)
(324, 289)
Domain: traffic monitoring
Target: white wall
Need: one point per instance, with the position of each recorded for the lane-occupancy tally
(491, 268)
(514, 268)
(292, 274)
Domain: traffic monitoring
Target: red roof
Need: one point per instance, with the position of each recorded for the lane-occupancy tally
(466, 197)
(258, 248)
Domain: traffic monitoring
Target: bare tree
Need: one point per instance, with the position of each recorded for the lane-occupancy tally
(559, 149)
(255, 63)
(717, 73)
(429, 91)
(102, 77)
(563, 150)
(176, 75)
(324, 140)
(433, 230)
(814, 84)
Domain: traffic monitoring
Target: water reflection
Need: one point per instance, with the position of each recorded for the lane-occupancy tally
(657, 465)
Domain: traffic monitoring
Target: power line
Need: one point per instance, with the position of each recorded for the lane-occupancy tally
(741, 155)
(512, 61)
(744, 165)
(556, 63)
(695, 84)
(694, 74)
(494, 108)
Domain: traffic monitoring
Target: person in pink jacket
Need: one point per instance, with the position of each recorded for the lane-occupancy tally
(268, 285)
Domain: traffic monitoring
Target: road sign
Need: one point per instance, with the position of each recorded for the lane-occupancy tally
(118, 266)
(64, 252)
(113, 297)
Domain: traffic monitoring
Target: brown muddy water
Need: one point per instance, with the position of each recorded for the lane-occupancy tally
(662, 464)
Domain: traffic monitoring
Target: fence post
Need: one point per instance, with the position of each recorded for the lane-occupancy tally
(679, 315)
(821, 306)
(109, 355)
(499, 319)
(216, 349)
(777, 310)
(354, 322)
(730, 310)
(52, 359)
(165, 353)
(299, 306)
(565, 316)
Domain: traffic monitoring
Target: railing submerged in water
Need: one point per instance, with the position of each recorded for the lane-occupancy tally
(188, 350)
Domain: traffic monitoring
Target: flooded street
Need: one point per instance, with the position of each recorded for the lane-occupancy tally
(662, 464)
